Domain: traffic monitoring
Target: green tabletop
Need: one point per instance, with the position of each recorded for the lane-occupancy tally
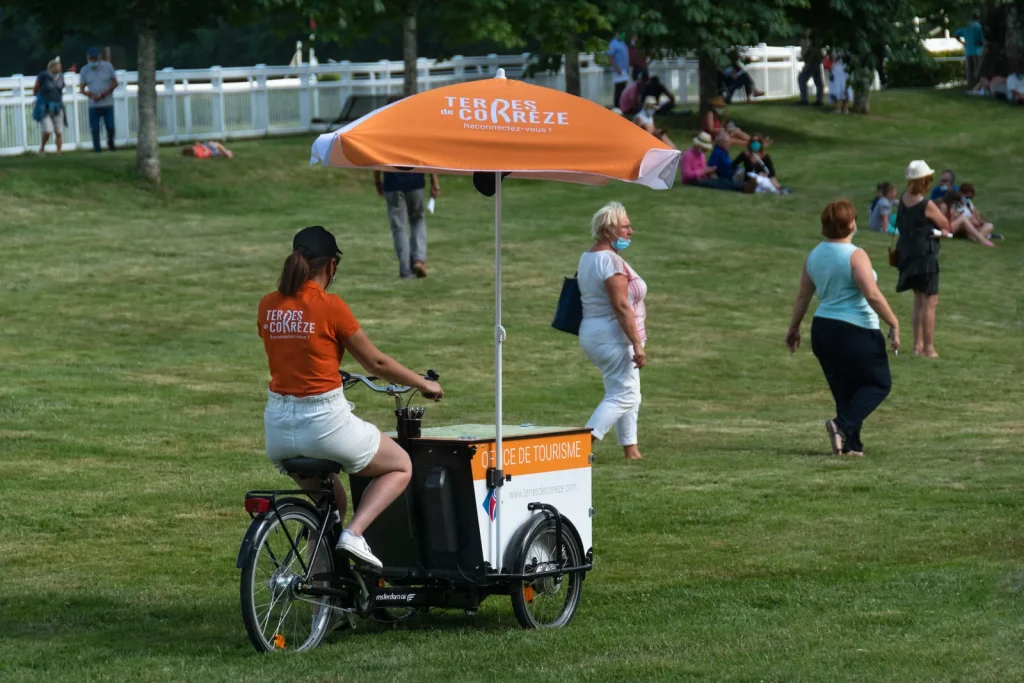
(482, 432)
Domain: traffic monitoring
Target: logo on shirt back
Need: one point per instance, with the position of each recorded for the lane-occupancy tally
(287, 323)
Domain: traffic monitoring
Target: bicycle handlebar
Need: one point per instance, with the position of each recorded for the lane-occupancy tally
(349, 380)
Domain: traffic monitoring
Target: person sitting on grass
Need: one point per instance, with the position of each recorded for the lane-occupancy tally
(960, 225)
(629, 101)
(656, 89)
(947, 182)
(980, 222)
(207, 150)
(735, 77)
(695, 167)
(1015, 84)
(645, 119)
(757, 164)
(720, 159)
(712, 123)
(880, 213)
(994, 86)
(1009, 87)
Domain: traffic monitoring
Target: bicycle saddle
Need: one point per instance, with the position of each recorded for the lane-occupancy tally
(310, 467)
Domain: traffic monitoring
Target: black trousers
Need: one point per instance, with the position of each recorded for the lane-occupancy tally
(856, 366)
(728, 85)
(619, 87)
(811, 72)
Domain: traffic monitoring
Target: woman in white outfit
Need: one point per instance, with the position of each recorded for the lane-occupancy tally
(613, 331)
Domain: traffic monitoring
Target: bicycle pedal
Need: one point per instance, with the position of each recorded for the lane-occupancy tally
(358, 564)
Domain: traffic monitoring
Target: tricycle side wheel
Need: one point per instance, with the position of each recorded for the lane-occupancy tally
(552, 601)
(276, 617)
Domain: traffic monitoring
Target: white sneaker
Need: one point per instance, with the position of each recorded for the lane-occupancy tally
(356, 547)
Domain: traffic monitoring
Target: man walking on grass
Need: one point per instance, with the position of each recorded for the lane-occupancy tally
(404, 195)
(98, 82)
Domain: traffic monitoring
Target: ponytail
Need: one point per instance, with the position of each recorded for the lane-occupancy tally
(297, 269)
(294, 273)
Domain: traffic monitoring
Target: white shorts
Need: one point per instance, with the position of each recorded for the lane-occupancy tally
(321, 427)
(53, 122)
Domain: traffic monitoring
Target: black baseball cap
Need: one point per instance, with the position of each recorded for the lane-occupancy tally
(317, 242)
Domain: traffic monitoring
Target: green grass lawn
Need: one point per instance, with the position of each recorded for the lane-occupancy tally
(132, 386)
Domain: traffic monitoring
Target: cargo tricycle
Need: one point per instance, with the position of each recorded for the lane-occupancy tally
(445, 543)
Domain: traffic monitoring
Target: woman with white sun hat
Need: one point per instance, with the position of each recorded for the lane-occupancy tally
(917, 253)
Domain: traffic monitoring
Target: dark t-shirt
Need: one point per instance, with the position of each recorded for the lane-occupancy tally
(654, 89)
(940, 191)
(51, 89)
(723, 164)
(403, 182)
(751, 166)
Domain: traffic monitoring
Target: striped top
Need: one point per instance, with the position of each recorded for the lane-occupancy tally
(637, 292)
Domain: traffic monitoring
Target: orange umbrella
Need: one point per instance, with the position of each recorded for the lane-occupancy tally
(498, 125)
(492, 129)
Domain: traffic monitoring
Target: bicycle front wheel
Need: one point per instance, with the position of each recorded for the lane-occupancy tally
(276, 616)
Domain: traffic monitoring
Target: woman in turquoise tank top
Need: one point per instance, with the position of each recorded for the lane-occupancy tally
(844, 335)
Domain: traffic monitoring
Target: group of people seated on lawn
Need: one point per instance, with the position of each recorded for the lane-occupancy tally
(752, 170)
(956, 202)
(1009, 87)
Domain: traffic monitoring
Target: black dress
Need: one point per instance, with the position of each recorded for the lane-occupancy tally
(918, 260)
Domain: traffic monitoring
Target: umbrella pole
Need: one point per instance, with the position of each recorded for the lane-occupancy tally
(499, 338)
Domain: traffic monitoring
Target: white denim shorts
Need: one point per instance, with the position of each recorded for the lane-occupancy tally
(321, 427)
(53, 122)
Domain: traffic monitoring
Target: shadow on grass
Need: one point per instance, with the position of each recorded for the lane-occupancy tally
(203, 628)
(680, 125)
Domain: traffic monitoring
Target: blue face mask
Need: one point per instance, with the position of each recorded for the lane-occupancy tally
(620, 244)
(755, 146)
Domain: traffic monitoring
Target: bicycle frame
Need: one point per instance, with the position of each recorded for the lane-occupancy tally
(272, 496)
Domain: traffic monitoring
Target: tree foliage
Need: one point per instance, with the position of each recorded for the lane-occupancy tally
(864, 30)
(59, 18)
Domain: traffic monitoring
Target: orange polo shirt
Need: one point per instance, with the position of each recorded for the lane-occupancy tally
(302, 336)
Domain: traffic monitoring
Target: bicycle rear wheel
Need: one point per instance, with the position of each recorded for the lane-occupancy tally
(276, 616)
(550, 601)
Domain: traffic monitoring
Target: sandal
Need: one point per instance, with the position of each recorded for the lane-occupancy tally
(835, 436)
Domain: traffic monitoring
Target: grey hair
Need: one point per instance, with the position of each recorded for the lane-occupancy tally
(608, 216)
(53, 62)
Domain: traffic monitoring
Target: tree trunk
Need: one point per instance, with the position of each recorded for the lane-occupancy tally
(409, 49)
(572, 72)
(1013, 48)
(993, 61)
(708, 75)
(864, 78)
(147, 154)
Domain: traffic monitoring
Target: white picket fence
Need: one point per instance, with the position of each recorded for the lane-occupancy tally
(216, 103)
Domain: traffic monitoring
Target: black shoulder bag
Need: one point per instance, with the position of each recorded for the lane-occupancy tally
(569, 312)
